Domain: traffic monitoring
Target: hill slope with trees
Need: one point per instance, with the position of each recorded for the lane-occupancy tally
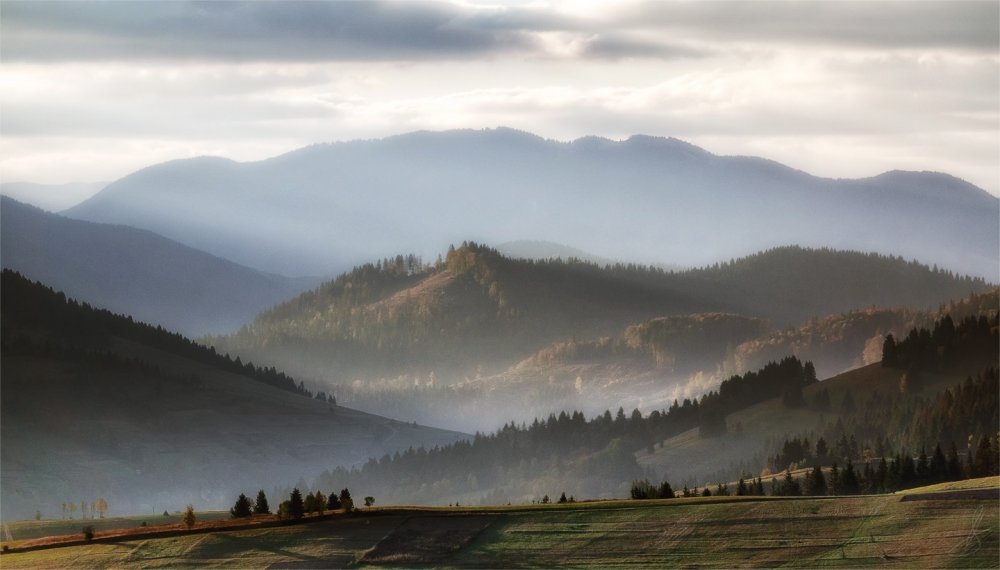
(476, 318)
(98, 405)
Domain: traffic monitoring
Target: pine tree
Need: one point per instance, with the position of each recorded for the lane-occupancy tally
(849, 484)
(890, 357)
(816, 482)
(346, 501)
(242, 508)
(261, 507)
(333, 502)
(791, 487)
(296, 507)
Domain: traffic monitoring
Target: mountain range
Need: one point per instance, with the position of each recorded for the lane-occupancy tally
(325, 208)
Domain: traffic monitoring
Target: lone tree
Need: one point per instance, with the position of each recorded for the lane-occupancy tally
(242, 508)
(346, 501)
(562, 498)
(369, 501)
(261, 507)
(188, 518)
(295, 506)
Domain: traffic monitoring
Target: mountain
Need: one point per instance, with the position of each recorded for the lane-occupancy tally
(325, 208)
(137, 272)
(98, 405)
(51, 197)
(443, 337)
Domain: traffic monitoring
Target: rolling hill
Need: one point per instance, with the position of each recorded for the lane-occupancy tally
(313, 211)
(478, 313)
(99, 405)
(137, 272)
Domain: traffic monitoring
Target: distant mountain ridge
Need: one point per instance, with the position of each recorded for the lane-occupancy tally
(137, 272)
(325, 208)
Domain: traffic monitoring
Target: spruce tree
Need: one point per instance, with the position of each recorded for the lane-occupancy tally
(849, 484)
(296, 508)
(261, 507)
(242, 508)
(816, 482)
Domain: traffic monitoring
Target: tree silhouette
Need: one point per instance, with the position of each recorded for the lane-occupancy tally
(242, 508)
(296, 508)
(260, 507)
(188, 519)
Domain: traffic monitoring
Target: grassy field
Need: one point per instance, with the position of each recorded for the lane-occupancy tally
(25, 530)
(720, 532)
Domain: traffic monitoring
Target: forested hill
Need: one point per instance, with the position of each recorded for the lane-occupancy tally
(39, 319)
(96, 405)
(478, 311)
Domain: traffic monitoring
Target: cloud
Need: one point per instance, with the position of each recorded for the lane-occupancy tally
(252, 31)
(883, 24)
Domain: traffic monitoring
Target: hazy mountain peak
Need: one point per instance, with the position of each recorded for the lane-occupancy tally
(324, 208)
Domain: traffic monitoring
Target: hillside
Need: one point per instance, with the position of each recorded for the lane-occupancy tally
(98, 405)
(753, 431)
(137, 272)
(477, 315)
(658, 200)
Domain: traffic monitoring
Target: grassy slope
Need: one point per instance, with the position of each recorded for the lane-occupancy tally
(688, 455)
(846, 532)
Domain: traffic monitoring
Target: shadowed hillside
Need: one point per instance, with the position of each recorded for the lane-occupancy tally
(97, 405)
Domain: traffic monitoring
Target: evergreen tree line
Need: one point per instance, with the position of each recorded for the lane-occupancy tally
(890, 423)
(33, 307)
(296, 506)
(786, 378)
(943, 344)
(556, 444)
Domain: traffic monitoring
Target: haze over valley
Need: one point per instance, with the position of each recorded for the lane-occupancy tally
(469, 284)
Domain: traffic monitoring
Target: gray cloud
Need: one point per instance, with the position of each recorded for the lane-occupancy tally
(882, 24)
(411, 31)
(621, 46)
(253, 31)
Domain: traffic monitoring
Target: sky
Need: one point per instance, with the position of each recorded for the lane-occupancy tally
(95, 90)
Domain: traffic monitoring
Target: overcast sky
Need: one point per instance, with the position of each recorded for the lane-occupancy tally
(93, 91)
